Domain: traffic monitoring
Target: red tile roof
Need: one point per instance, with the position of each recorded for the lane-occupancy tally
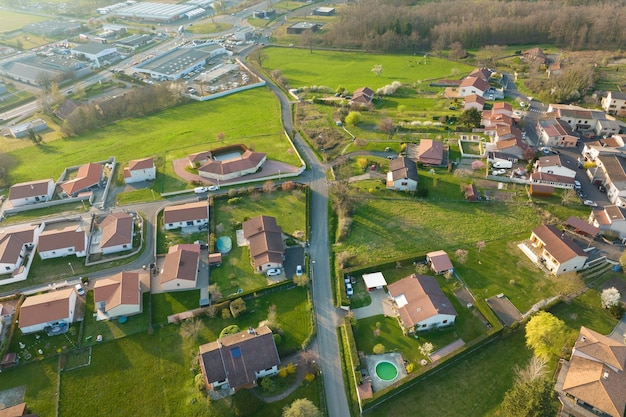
(121, 289)
(88, 175)
(186, 212)
(70, 236)
(29, 189)
(45, 308)
(181, 262)
(12, 242)
(430, 152)
(117, 229)
(557, 244)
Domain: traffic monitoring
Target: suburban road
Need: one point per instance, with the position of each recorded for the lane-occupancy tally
(327, 316)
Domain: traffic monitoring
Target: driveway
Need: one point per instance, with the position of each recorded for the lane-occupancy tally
(380, 305)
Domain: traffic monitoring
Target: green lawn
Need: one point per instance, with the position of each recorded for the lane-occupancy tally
(112, 329)
(587, 311)
(251, 117)
(168, 303)
(209, 27)
(40, 378)
(289, 208)
(10, 20)
(353, 70)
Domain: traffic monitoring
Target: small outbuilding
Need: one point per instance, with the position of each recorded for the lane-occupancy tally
(440, 262)
(374, 281)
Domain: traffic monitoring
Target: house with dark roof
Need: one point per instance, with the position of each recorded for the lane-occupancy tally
(265, 239)
(139, 170)
(402, 175)
(66, 108)
(420, 304)
(180, 268)
(439, 262)
(610, 171)
(70, 240)
(56, 308)
(116, 233)
(615, 103)
(186, 215)
(88, 176)
(535, 55)
(238, 360)
(119, 295)
(31, 192)
(550, 170)
(14, 244)
(581, 227)
(557, 252)
(555, 132)
(593, 381)
(431, 152)
(483, 73)
(362, 96)
(609, 218)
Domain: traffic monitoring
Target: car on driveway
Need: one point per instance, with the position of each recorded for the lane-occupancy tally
(577, 185)
(590, 203)
(79, 289)
(299, 270)
(602, 188)
(349, 290)
(273, 272)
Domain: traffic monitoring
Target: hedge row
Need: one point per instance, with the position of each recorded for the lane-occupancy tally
(348, 372)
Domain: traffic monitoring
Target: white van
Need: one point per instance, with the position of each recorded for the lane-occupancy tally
(503, 164)
(200, 190)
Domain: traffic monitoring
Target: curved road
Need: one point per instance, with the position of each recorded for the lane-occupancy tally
(328, 317)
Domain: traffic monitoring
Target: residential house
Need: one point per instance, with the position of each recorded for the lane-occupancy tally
(557, 252)
(613, 145)
(117, 233)
(555, 132)
(553, 164)
(474, 101)
(402, 175)
(66, 108)
(473, 85)
(31, 192)
(186, 215)
(581, 227)
(119, 295)
(70, 240)
(615, 103)
(46, 310)
(471, 193)
(512, 147)
(555, 68)
(431, 152)
(241, 161)
(238, 360)
(439, 262)
(502, 107)
(139, 170)
(88, 176)
(579, 118)
(483, 73)
(610, 171)
(180, 269)
(14, 244)
(299, 27)
(421, 304)
(18, 410)
(593, 381)
(265, 239)
(609, 218)
(362, 96)
(535, 55)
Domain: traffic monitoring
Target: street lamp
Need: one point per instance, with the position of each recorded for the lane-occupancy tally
(72, 268)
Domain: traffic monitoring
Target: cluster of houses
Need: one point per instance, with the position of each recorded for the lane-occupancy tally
(402, 174)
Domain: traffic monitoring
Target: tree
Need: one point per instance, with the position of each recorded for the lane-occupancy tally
(378, 69)
(426, 349)
(302, 407)
(379, 349)
(268, 186)
(237, 307)
(569, 197)
(232, 329)
(353, 118)
(258, 56)
(386, 126)
(190, 329)
(622, 260)
(267, 384)
(362, 163)
(528, 154)
(481, 245)
(301, 280)
(610, 297)
(470, 118)
(535, 398)
(288, 186)
(461, 255)
(545, 335)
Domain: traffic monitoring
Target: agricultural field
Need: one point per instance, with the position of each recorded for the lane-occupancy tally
(250, 117)
(10, 20)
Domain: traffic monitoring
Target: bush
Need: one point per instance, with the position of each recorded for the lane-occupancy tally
(199, 383)
(232, 329)
(277, 338)
(379, 349)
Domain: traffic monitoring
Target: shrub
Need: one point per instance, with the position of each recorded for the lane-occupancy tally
(277, 338)
(199, 383)
(379, 349)
(232, 329)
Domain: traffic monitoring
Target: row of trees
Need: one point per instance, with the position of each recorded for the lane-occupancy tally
(391, 25)
(135, 103)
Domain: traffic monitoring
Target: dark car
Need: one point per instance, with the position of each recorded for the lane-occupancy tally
(602, 188)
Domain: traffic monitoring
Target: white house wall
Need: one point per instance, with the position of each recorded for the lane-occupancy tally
(178, 284)
(141, 175)
(177, 225)
(436, 321)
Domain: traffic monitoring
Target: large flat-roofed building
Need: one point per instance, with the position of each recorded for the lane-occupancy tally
(156, 12)
(35, 70)
(324, 11)
(94, 51)
(179, 62)
(53, 27)
(298, 28)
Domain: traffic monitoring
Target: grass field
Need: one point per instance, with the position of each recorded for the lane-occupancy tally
(248, 117)
(209, 27)
(354, 70)
(10, 20)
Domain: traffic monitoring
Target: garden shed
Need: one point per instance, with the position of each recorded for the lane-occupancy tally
(374, 281)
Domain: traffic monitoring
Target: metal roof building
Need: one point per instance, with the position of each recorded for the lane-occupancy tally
(156, 12)
(178, 62)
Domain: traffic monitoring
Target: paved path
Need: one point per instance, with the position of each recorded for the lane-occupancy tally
(376, 307)
(619, 332)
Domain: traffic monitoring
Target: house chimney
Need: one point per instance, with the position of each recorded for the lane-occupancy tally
(606, 375)
(251, 330)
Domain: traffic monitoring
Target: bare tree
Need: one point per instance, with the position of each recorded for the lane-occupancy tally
(268, 186)
(191, 328)
(378, 69)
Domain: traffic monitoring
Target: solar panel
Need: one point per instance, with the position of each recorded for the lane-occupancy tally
(235, 352)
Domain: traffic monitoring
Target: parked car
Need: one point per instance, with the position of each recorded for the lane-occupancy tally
(79, 289)
(273, 272)
(590, 203)
(577, 185)
(499, 171)
(200, 190)
(545, 150)
(299, 270)
(349, 290)
(214, 188)
(581, 194)
(602, 188)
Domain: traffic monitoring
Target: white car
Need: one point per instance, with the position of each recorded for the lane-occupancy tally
(499, 171)
(79, 289)
(200, 190)
(590, 203)
(349, 290)
(273, 272)
(214, 188)
(299, 270)
(577, 185)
